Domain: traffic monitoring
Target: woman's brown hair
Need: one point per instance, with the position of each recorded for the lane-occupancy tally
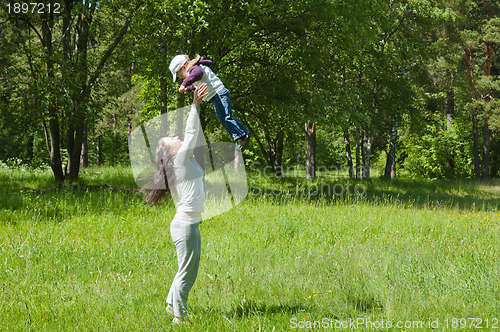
(159, 185)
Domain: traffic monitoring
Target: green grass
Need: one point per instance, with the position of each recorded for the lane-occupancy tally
(94, 258)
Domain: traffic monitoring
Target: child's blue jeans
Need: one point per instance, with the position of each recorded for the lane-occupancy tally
(223, 112)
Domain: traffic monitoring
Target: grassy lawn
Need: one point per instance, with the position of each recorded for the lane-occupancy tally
(94, 258)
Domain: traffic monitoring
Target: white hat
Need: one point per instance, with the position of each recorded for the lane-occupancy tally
(177, 63)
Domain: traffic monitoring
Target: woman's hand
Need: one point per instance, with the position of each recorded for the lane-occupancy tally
(199, 93)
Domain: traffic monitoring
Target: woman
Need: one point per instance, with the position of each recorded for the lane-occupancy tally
(179, 173)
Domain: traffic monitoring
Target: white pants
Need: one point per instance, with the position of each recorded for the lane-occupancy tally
(185, 233)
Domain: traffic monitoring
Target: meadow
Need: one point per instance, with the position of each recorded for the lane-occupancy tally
(93, 258)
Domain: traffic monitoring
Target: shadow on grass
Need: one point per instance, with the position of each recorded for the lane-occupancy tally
(365, 304)
(250, 308)
(462, 194)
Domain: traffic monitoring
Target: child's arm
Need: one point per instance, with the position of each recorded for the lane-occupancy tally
(195, 74)
(205, 62)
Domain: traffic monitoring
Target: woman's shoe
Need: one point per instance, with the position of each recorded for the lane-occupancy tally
(170, 309)
(178, 320)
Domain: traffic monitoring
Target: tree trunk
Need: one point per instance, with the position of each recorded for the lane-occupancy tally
(279, 153)
(75, 151)
(475, 140)
(450, 110)
(261, 145)
(52, 136)
(474, 92)
(165, 76)
(489, 58)
(269, 150)
(358, 155)
(348, 154)
(367, 149)
(77, 121)
(310, 131)
(390, 165)
(52, 133)
(98, 151)
(486, 150)
(74, 68)
(486, 126)
(84, 157)
(274, 151)
(299, 156)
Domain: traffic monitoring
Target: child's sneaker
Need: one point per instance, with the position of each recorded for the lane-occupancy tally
(243, 143)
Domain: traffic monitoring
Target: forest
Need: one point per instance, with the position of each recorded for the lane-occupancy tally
(373, 168)
(409, 88)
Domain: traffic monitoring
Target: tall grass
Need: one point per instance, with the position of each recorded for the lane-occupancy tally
(95, 258)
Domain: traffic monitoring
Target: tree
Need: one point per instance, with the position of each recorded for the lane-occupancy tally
(476, 32)
(17, 127)
(67, 50)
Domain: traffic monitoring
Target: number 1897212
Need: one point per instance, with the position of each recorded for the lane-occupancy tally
(33, 8)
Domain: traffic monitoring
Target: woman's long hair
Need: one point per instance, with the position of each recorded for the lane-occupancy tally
(159, 186)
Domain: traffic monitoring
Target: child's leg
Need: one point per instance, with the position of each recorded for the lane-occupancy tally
(224, 113)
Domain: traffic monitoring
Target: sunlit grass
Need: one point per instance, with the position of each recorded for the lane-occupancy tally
(96, 258)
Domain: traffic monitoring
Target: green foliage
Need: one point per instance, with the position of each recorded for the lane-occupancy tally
(353, 67)
(437, 153)
(492, 30)
(330, 150)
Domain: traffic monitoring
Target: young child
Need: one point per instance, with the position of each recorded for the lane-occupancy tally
(196, 72)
